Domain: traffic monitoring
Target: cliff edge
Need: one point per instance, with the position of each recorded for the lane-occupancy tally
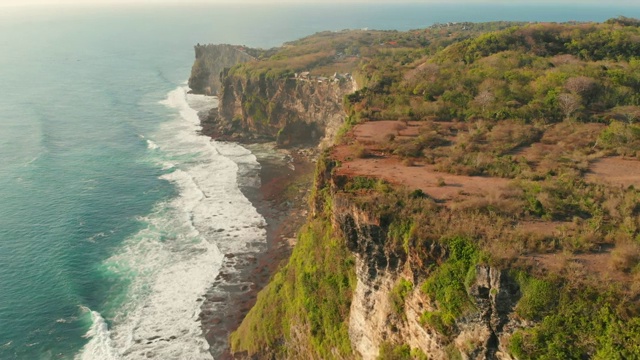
(292, 111)
(210, 61)
(478, 201)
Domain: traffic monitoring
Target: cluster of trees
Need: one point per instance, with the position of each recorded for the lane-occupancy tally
(536, 72)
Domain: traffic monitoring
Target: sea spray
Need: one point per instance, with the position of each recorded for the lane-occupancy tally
(169, 265)
(101, 346)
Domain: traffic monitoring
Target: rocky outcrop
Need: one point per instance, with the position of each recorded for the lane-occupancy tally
(484, 332)
(374, 319)
(288, 110)
(210, 61)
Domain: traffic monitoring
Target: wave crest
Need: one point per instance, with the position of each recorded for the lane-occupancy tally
(170, 264)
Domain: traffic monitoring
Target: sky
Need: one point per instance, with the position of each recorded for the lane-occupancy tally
(15, 3)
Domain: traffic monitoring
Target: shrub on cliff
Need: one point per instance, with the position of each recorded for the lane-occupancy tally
(446, 284)
(586, 323)
(304, 309)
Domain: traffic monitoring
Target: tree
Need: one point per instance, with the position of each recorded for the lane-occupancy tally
(584, 86)
(484, 99)
(569, 104)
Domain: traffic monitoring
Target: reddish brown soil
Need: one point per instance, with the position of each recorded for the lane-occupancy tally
(379, 164)
(615, 171)
(451, 189)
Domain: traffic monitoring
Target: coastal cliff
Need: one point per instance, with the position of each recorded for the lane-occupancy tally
(388, 307)
(352, 288)
(210, 61)
(479, 202)
(290, 110)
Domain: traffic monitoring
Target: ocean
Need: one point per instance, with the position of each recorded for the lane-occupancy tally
(115, 214)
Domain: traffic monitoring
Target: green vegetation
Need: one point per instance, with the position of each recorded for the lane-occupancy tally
(309, 298)
(325, 53)
(539, 297)
(362, 183)
(399, 294)
(621, 138)
(585, 323)
(532, 104)
(400, 352)
(446, 285)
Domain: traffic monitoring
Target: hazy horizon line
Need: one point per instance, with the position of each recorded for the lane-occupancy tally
(90, 3)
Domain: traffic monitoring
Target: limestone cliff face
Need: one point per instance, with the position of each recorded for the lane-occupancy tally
(373, 320)
(289, 110)
(482, 333)
(210, 61)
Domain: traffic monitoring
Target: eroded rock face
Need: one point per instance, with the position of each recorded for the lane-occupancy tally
(290, 111)
(480, 334)
(210, 61)
(373, 319)
(483, 332)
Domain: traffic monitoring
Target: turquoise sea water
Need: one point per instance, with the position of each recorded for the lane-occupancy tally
(114, 213)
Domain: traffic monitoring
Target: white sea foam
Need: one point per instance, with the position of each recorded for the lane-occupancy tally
(151, 145)
(172, 262)
(100, 346)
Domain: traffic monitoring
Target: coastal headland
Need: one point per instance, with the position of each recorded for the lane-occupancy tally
(474, 193)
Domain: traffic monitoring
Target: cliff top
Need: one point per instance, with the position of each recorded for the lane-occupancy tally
(328, 52)
(530, 123)
(487, 172)
(534, 126)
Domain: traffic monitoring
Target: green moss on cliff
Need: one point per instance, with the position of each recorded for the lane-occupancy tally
(399, 294)
(446, 285)
(304, 309)
(389, 351)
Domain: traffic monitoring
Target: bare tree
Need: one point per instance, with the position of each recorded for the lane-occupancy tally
(583, 86)
(484, 99)
(569, 104)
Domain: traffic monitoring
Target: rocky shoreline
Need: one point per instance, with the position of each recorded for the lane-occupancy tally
(286, 178)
